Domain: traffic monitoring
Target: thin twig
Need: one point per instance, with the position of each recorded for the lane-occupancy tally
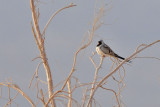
(70, 5)
(147, 57)
(36, 58)
(14, 86)
(67, 97)
(93, 62)
(12, 99)
(59, 91)
(84, 97)
(114, 94)
(35, 74)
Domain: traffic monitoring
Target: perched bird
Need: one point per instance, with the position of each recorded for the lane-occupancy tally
(104, 50)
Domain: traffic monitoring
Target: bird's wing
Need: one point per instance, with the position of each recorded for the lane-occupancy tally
(107, 50)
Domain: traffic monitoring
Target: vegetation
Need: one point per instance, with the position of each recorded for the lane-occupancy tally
(70, 84)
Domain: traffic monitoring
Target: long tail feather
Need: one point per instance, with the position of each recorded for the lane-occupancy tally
(119, 57)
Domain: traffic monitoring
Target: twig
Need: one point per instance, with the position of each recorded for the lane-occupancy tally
(147, 57)
(93, 62)
(59, 91)
(12, 99)
(36, 58)
(114, 94)
(42, 97)
(70, 5)
(84, 97)
(142, 45)
(67, 97)
(70, 94)
(35, 74)
(14, 86)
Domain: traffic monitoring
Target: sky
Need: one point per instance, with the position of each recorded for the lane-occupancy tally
(127, 24)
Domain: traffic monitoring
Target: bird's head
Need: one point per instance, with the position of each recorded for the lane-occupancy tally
(100, 42)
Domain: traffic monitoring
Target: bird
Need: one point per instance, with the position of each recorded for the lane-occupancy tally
(104, 50)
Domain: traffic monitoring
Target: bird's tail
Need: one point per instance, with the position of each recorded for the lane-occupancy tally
(121, 58)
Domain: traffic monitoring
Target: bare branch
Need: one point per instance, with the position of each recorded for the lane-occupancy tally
(67, 97)
(42, 97)
(36, 58)
(84, 97)
(70, 94)
(14, 86)
(147, 57)
(40, 44)
(114, 94)
(12, 99)
(52, 97)
(94, 82)
(35, 74)
(70, 5)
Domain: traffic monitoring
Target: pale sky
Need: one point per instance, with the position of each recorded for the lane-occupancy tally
(126, 25)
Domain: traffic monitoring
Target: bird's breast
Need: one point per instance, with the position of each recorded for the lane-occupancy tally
(99, 51)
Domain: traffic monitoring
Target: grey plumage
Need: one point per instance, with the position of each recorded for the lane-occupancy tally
(104, 50)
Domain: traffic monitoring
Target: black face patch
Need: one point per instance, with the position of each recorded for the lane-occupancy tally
(99, 43)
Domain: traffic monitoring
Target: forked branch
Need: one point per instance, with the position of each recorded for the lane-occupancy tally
(14, 86)
(40, 44)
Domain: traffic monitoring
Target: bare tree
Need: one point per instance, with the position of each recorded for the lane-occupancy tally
(70, 84)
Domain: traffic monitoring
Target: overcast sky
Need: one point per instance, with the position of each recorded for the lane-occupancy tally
(127, 24)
